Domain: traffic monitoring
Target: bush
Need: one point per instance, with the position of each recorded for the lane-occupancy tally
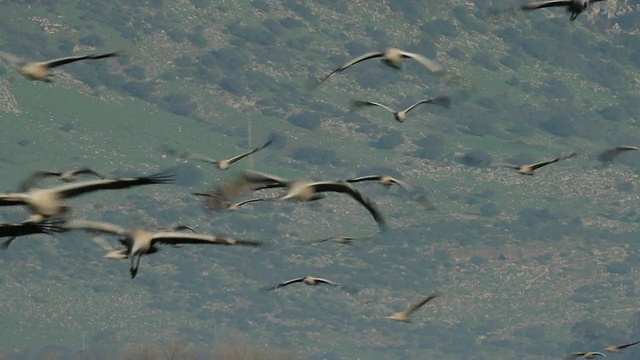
(316, 156)
(388, 141)
(489, 210)
(306, 120)
(476, 158)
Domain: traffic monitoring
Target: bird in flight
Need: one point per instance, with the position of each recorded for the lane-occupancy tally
(41, 70)
(309, 280)
(404, 315)
(401, 115)
(618, 348)
(343, 239)
(309, 191)
(45, 203)
(529, 169)
(140, 242)
(584, 355)
(609, 155)
(392, 57)
(225, 164)
(575, 7)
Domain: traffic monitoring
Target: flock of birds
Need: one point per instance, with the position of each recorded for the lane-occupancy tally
(49, 212)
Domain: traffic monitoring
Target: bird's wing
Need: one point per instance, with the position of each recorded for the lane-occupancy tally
(428, 63)
(405, 186)
(204, 158)
(70, 59)
(367, 56)
(287, 283)
(544, 4)
(28, 228)
(176, 238)
(343, 187)
(358, 104)
(95, 226)
(10, 199)
(610, 154)
(79, 188)
(249, 201)
(31, 181)
(85, 170)
(442, 101)
(242, 156)
(420, 303)
(628, 345)
(365, 178)
(544, 163)
(327, 281)
(255, 177)
(573, 356)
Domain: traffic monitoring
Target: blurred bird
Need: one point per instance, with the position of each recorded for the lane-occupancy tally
(392, 57)
(231, 206)
(400, 115)
(618, 348)
(584, 355)
(140, 242)
(45, 203)
(309, 191)
(343, 239)
(41, 70)
(67, 176)
(225, 164)
(309, 280)
(529, 169)
(28, 228)
(404, 315)
(609, 155)
(575, 7)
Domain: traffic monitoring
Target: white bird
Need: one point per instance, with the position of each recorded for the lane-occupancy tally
(309, 280)
(309, 191)
(41, 70)
(529, 169)
(401, 115)
(225, 164)
(45, 203)
(404, 315)
(390, 56)
(140, 242)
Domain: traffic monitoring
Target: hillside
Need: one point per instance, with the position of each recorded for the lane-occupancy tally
(529, 266)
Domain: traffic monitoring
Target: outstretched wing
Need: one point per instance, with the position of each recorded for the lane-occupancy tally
(544, 4)
(75, 189)
(367, 56)
(242, 156)
(286, 283)
(426, 62)
(545, 163)
(85, 170)
(365, 178)
(355, 104)
(67, 60)
(95, 226)
(443, 101)
(177, 238)
(10, 199)
(327, 281)
(420, 303)
(610, 154)
(343, 187)
(405, 186)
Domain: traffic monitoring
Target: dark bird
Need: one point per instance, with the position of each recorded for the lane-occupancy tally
(584, 355)
(343, 239)
(309, 191)
(609, 155)
(309, 280)
(67, 176)
(529, 169)
(28, 228)
(392, 57)
(404, 315)
(575, 7)
(41, 70)
(401, 115)
(45, 203)
(224, 164)
(618, 348)
(140, 242)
